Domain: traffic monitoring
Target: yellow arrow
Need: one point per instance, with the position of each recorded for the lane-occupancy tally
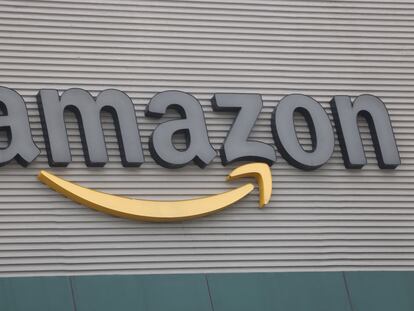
(163, 211)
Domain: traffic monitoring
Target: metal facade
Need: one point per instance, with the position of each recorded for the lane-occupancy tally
(328, 219)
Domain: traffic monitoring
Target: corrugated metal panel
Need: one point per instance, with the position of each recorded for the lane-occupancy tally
(328, 219)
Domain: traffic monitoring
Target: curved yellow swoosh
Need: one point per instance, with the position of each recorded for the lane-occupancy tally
(162, 211)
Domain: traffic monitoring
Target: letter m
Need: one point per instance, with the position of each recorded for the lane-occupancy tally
(87, 111)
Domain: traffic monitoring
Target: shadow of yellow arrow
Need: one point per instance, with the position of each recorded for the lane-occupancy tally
(163, 211)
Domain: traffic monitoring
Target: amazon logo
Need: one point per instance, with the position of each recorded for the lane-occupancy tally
(237, 146)
(165, 211)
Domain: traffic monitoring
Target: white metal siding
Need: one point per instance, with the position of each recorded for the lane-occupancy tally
(328, 219)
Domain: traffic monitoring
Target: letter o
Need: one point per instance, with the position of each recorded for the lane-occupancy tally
(284, 133)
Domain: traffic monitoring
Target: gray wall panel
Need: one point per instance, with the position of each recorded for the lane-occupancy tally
(328, 219)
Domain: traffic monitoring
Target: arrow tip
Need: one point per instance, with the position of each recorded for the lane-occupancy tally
(261, 172)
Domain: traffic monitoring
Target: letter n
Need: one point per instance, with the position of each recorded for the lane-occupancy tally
(374, 111)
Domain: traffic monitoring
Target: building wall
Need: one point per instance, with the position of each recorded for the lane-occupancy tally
(301, 291)
(328, 219)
